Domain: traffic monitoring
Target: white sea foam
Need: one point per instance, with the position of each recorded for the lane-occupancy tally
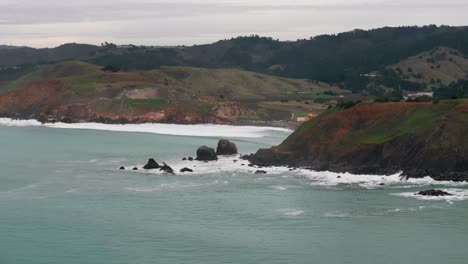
(336, 215)
(202, 130)
(279, 187)
(457, 195)
(291, 212)
(327, 178)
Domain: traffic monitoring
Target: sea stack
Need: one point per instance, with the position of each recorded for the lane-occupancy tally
(226, 147)
(152, 164)
(205, 153)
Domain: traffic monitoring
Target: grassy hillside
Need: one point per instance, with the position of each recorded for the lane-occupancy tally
(418, 138)
(227, 93)
(438, 66)
(334, 59)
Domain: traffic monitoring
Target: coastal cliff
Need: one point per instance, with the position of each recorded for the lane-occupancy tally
(75, 91)
(418, 139)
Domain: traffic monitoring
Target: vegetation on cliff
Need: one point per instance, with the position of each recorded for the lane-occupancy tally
(419, 139)
(80, 91)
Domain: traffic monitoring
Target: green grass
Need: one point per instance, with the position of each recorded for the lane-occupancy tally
(68, 70)
(149, 104)
(376, 138)
(422, 118)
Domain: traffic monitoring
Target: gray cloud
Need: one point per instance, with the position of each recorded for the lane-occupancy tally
(161, 22)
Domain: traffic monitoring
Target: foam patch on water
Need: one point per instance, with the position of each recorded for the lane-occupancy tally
(19, 123)
(326, 178)
(279, 187)
(291, 212)
(336, 215)
(226, 164)
(202, 130)
(457, 195)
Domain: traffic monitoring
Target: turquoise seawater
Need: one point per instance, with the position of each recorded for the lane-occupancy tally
(63, 200)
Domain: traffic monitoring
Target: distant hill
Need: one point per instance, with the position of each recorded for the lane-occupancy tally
(79, 91)
(19, 56)
(334, 59)
(440, 65)
(4, 47)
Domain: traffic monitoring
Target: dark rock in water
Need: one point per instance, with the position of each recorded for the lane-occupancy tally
(382, 184)
(122, 168)
(434, 193)
(184, 159)
(135, 168)
(251, 165)
(186, 170)
(243, 164)
(152, 164)
(226, 147)
(167, 169)
(205, 153)
(339, 177)
(235, 161)
(260, 172)
(190, 159)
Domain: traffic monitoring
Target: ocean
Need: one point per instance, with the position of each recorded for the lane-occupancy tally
(64, 200)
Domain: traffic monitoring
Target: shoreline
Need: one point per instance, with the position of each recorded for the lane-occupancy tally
(201, 130)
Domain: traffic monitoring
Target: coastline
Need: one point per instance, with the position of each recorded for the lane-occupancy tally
(203, 130)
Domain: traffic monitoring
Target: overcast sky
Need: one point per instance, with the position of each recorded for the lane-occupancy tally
(48, 23)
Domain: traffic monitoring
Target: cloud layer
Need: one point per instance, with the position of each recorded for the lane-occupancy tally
(52, 22)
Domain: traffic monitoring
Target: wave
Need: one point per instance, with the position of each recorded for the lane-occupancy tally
(323, 178)
(200, 130)
(327, 178)
(291, 212)
(336, 215)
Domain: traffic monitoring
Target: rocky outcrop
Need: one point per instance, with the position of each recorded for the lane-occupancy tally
(419, 139)
(434, 193)
(151, 165)
(186, 170)
(167, 169)
(226, 147)
(205, 153)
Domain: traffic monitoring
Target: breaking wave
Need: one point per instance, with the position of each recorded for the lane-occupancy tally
(202, 130)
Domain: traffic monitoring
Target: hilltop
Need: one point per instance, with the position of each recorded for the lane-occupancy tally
(437, 67)
(76, 91)
(338, 59)
(420, 139)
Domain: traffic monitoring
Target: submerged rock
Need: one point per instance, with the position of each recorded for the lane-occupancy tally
(226, 147)
(205, 153)
(122, 168)
(434, 193)
(152, 164)
(167, 169)
(260, 172)
(135, 168)
(190, 159)
(184, 159)
(186, 170)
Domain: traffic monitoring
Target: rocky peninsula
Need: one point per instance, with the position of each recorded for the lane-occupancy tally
(418, 139)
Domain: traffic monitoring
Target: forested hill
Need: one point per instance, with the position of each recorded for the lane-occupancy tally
(339, 58)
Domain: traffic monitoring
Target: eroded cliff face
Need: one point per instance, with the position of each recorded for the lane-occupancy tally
(53, 101)
(419, 139)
